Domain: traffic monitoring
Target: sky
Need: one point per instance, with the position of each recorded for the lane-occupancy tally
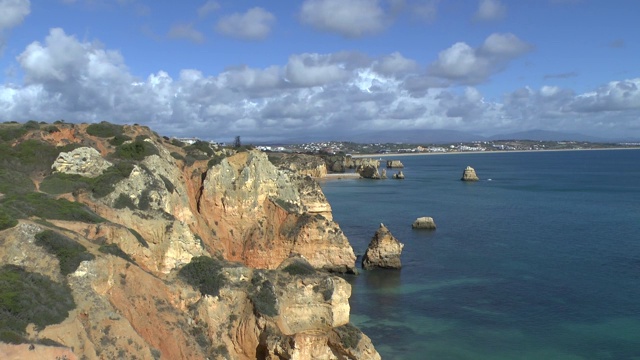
(324, 69)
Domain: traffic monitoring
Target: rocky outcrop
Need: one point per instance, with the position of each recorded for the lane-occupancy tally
(399, 175)
(84, 161)
(469, 174)
(384, 251)
(368, 168)
(260, 217)
(425, 222)
(166, 211)
(394, 164)
(339, 163)
(303, 164)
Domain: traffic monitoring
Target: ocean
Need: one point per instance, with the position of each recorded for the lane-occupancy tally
(540, 259)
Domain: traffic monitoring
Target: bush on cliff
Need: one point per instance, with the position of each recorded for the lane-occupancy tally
(263, 296)
(104, 129)
(69, 253)
(204, 274)
(27, 297)
(61, 183)
(6, 219)
(14, 182)
(136, 150)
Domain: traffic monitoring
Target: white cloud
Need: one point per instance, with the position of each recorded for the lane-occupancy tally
(490, 10)
(349, 18)
(12, 14)
(395, 64)
(187, 32)
(426, 10)
(465, 65)
(208, 7)
(309, 70)
(312, 94)
(255, 24)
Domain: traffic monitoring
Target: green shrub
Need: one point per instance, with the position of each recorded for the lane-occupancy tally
(104, 184)
(27, 297)
(204, 274)
(136, 150)
(176, 142)
(28, 156)
(263, 296)
(216, 159)
(349, 335)
(119, 140)
(51, 129)
(114, 249)
(69, 253)
(104, 129)
(124, 201)
(31, 125)
(9, 132)
(299, 268)
(6, 219)
(177, 156)
(41, 205)
(202, 146)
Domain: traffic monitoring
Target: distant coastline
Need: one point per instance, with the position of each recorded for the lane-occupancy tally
(381, 155)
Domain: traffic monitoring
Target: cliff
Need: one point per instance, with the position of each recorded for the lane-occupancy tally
(141, 245)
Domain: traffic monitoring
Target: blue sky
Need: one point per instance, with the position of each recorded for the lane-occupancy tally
(269, 70)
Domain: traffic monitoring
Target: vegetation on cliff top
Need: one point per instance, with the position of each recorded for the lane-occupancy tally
(204, 274)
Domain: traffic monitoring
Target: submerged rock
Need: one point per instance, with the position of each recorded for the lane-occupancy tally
(384, 251)
(425, 222)
(469, 174)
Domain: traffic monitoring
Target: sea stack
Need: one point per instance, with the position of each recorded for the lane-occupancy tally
(469, 174)
(399, 175)
(394, 164)
(425, 222)
(383, 252)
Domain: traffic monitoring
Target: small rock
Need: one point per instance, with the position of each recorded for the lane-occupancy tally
(384, 251)
(399, 175)
(425, 222)
(394, 164)
(469, 174)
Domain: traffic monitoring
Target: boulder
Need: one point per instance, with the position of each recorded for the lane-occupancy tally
(469, 174)
(425, 222)
(84, 161)
(399, 175)
(383, 252)
(383, 174)
(394, 164)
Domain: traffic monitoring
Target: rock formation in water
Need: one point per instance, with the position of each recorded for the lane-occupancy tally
(425, 222)
(469, 174)
(368, 168)
(173, 251)
(384, 251)
(399, 175)
(394, 164)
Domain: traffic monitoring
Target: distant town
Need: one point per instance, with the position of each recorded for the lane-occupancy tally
(339, 147)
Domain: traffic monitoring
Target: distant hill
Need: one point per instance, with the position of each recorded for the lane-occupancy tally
(546, 135)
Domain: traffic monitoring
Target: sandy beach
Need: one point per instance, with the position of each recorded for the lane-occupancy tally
(481, 152)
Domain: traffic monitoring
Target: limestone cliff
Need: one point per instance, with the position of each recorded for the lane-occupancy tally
(147, 247)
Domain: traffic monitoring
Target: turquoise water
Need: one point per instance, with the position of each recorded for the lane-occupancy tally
(540, 262)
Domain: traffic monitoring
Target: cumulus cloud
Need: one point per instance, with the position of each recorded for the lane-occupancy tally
(312, 94)
(187, 32)
(208, 7)
(255, 24)
(349, 18)
(465, 65)
(490, 10)
(12, 13)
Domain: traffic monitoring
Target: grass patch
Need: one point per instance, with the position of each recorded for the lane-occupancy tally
(119, 140)
(61, 183)
(27, 297)
(9, 132)
(203, 273)
(14, 182)
(43, 206)
(69, 253)
(6, 219)
(28, 156)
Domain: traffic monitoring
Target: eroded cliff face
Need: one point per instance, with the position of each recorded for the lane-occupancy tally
(167, 211)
